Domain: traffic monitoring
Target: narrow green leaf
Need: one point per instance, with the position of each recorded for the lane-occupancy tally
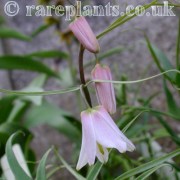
(25, 63)
(173, 135)
(178, 80)
(150, 98)
(53, 171)
(122, 92)
(178, 48)
(6, 105)
(151, 171)
(18, 108)
(155, 111)
(41, 170)
(172, 105)
(126, 118)
(178, 56)
(11, 33)
(175, 166)
(161, 60)
(69, 168)
(110, 52)
(132, 121)
(17, 170)
(121, 20)
(148, 165)
(40, 29)
(113, 51)
(7, 129)
(93, 173)
(49, 54)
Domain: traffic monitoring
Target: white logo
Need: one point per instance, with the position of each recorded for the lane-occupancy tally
(11, 8)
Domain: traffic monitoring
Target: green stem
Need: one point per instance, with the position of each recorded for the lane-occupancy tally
(178, 48)
(153, 111)
(97, 60)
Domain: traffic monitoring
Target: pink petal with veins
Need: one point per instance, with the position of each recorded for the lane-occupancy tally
(84, 34)
(105, 91)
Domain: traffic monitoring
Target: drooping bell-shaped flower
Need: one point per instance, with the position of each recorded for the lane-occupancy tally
(99, 132)
(105, 91)
(84, 34)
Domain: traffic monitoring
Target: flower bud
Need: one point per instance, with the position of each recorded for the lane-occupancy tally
(84, 34)
(105, 91)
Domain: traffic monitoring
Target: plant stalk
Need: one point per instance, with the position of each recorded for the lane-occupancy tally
(82, 78)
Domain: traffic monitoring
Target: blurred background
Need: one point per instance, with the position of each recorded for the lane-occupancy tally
(131, 59)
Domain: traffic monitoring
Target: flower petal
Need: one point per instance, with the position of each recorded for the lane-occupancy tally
(105, 91)
(111, 123)
(89, 136)
(88, 147)
(102, 156)
(84, 34)
(82, 157)
(106, 136)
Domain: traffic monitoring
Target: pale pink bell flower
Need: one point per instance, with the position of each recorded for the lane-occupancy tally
(99, 132)
(105, 91)
(84, 34)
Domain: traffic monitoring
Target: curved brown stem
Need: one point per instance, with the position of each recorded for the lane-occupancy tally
(82, 78)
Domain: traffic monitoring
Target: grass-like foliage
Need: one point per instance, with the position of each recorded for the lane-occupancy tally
(145, 125)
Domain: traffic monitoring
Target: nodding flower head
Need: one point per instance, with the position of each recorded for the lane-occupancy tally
(84, 34)
(105, 91)
(99, 132)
